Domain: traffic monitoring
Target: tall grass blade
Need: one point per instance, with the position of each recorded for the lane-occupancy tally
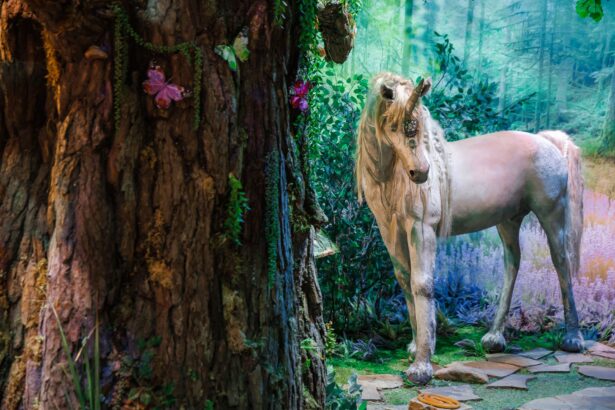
(97, 366)
(71, 363)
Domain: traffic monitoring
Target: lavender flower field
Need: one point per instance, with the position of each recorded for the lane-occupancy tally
(477, 266)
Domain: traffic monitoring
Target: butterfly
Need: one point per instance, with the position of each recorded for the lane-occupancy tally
(163, 91)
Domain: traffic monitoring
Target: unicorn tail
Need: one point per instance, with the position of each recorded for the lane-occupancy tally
(574, 208)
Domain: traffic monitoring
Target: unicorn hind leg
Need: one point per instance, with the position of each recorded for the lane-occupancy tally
(494, 341)
(554, 225)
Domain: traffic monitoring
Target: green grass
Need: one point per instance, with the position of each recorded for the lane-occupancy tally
(545, 385)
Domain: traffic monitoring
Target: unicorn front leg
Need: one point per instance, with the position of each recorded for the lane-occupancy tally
(422, 246)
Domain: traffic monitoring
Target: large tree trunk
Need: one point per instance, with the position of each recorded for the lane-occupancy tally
(467, 44)
(407, 53)
(128, 226)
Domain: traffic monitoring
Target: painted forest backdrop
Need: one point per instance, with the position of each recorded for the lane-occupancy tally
(525, 65)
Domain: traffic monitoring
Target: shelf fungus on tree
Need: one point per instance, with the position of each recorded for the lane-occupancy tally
(338, 31)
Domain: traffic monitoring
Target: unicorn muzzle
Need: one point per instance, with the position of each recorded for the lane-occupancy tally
(419, 175)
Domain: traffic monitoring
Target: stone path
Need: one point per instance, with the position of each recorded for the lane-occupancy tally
(587, 399)
(505, 368)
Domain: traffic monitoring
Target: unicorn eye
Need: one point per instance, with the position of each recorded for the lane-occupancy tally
(412, 143)
(394, 127)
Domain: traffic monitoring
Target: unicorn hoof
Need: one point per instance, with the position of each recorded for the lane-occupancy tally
(493, 342)
(420, 373)
(573, 342)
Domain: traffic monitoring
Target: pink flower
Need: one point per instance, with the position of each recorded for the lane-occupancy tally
(298, 99)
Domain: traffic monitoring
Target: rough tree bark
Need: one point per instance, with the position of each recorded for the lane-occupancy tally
(127, 226)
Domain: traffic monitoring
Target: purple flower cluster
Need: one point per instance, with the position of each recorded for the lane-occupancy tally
(536, 306)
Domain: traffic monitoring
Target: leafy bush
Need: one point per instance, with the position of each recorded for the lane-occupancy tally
(340, 399)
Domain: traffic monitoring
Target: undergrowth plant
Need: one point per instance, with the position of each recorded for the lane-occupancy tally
(88, 398)
(237, 207)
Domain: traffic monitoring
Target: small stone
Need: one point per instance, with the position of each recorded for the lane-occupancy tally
(460, 392)
(492, 369)
(513, 359)
(537, 353)
(380, 381)
(514, 381)
(599, 347)
(598, 372)
(461, 373)
(565, 357)
(466, 344)
(545, 368)
(95, 53)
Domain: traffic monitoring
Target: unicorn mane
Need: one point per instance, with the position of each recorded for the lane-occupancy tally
(379, 110)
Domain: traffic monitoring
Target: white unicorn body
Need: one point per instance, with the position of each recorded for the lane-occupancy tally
(419, 187)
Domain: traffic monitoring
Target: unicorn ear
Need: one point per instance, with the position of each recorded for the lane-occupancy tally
(387, 91)
(426, 86)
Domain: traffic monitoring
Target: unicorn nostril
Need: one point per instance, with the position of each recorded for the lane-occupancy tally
(412, 173)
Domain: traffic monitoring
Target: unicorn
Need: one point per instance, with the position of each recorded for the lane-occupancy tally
(420, 187)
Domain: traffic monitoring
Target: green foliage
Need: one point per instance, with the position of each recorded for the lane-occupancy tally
(237, 207)
(464, 105)
(272, 212)
(122, 30)
(330, 339)
(137, 373)
(90, 398)
(590, 8)
(340, 399)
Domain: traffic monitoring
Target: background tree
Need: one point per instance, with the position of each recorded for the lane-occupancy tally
(136, 229)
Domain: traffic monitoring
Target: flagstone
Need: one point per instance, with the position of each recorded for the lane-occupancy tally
(537, 353)
(513, 359)
(565, 357)
(462, 392)
(514, 381)
(587, 399)
(545, 368)
(461, 373)
(492, 369)
(380, 381)
(598, 372)
(600, 347)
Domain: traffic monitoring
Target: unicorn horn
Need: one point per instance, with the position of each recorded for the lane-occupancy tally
(414, 97)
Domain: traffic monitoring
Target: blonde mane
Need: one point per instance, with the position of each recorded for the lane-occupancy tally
(377, 112)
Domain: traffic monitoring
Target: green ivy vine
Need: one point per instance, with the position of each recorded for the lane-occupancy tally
(237, 207)
(123, 30)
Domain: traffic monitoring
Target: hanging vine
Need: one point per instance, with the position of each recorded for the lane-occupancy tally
(122, 30)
